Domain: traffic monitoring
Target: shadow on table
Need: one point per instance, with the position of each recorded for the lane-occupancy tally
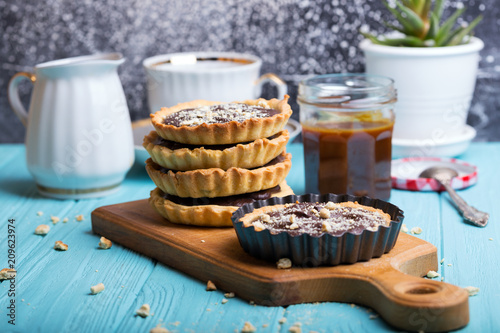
(21, 187)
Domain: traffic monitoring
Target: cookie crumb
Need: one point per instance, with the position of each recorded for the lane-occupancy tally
(211, 286)
(105, 243)
(284, 263)
(441, 262)
(282, 321)
(258, 226)
(404, 228)
(473, 291)
(54, 219)
(324, 213)
(203, 241)
(490, 239)
(251, 303)
(159, 329)
(143, 311)
(39, 213)
(266, 218)
(229, 295)
(94, 290)
(449, 265)
(432, 274)
(65, 220)
(265, 325)
(79, 218)
(353, 305)
(7, 274)
(373, 316)
(42, 229)
(224, 301)
(60, 246)
(330, 205)
(326, 227)
(248, 328)
(295, 328)
(416, 230)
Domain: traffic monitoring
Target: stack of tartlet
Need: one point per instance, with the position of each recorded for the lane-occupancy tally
(209, 158)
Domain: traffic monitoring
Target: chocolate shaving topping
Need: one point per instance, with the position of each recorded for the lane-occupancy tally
(233, 200)
(318, 218)
(172, 145)
(218, 114)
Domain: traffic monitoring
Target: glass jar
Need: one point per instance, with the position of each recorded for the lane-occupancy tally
(347, 122)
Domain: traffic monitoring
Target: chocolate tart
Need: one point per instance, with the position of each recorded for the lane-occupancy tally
(326, 246)
(216, 182)
(208, 212)
(182, 157)
(213, 123)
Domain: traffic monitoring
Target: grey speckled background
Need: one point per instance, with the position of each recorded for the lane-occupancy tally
(295, 38)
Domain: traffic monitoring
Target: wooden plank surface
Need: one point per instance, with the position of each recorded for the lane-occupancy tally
(55, 284)
(215, 254)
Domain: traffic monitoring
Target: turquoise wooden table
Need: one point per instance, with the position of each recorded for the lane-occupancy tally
(52, 289)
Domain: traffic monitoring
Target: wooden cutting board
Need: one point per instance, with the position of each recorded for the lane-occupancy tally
(391, 285)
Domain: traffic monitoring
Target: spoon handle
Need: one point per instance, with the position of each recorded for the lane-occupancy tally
(470, 213)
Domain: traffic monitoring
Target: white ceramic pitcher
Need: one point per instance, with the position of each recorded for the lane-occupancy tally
(79, 136)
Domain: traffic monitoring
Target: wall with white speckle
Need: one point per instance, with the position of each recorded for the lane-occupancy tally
(295, 39)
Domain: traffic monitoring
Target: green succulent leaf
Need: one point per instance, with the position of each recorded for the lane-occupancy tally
(433, 28)
(438, 9)
(426, 8)
(411, 18)
(412, 4)
(404, 41)
(444, 30)
(420, 23)
(407, 28)
(393, 27)
(459, 35)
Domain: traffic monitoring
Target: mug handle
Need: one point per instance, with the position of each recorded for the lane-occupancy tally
(13, 94)
(274, 80)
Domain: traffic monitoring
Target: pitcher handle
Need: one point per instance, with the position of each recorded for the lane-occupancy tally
(274, 80)
(13, 94)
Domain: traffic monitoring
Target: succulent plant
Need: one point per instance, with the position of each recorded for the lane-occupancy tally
(420, 23)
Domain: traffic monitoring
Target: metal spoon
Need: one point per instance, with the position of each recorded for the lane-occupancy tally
(444, 176)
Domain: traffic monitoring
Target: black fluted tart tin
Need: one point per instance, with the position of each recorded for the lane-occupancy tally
(326, 249)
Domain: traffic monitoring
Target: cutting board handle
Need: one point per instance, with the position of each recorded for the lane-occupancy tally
(419, 304)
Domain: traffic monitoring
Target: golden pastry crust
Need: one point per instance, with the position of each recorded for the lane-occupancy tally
(203, 215)
(247, 156)
(224, 133)
(216, 182)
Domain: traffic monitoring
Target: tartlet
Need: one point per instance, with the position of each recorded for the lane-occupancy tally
(326, 247)
(175, 156)
(211, 123)
(217, 182)
(207, 212)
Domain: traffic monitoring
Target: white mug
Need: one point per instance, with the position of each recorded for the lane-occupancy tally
(214, 76)
(79, 137)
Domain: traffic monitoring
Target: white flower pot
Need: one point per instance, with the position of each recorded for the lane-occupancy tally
(435, 86)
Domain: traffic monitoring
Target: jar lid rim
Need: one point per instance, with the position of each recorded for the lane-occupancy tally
(347, 90)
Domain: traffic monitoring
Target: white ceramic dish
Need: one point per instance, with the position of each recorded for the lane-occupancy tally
(142, 127)
(448, 147)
